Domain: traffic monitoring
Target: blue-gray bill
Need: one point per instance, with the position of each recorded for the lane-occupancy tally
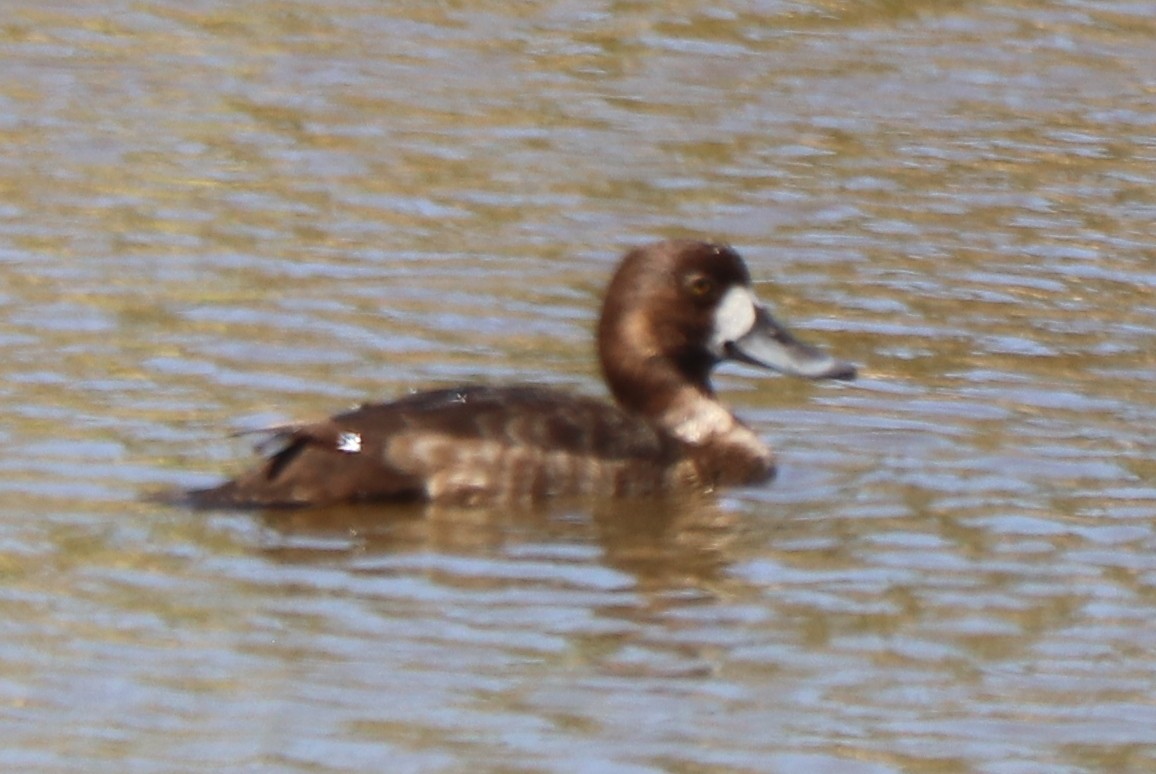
(770, 345)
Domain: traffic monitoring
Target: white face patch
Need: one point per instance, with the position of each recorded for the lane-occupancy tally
(734, 318)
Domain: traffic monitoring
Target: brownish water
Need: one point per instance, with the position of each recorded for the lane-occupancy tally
(214, 215)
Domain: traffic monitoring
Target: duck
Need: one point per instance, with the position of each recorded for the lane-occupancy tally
(672, 311)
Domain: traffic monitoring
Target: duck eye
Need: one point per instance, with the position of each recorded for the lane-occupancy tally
(700, 285)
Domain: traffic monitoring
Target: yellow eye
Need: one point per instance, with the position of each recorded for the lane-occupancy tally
(700, 285)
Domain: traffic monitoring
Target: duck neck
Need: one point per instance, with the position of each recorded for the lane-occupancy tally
(645, 377)
(677, 399)
(723, 449)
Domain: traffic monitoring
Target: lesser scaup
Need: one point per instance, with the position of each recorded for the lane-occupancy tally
(672, 312)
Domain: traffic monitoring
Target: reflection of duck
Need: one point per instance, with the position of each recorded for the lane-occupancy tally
(672, 312)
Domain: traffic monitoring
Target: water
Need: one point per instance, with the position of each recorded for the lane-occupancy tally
(214, 216)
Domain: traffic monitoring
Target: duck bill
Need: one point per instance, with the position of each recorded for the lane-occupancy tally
(770, 345)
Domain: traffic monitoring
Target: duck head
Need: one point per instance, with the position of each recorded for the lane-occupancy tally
(676, 309)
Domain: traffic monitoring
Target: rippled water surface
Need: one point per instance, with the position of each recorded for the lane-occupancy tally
(216, 215)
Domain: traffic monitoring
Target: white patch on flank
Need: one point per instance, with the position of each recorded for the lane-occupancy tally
(350, 443)
(695, 419)
(733, 318)
(700, 421)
